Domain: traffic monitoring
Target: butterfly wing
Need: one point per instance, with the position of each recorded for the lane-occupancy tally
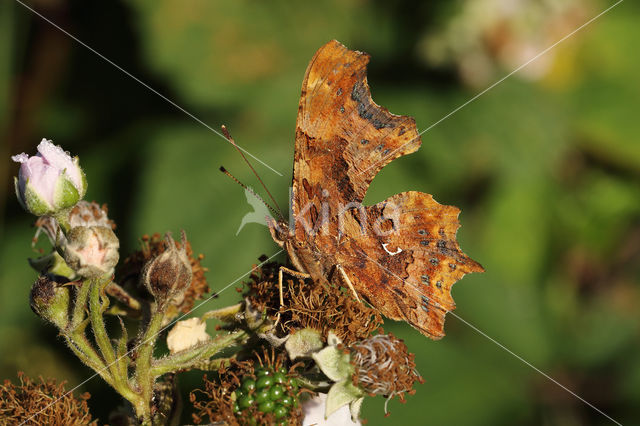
(403, 257)
(343, 138)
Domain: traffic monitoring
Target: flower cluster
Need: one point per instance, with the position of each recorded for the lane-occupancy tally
(273, 362)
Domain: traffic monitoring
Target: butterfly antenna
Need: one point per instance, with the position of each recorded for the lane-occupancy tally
(223, 170)
(227, 135)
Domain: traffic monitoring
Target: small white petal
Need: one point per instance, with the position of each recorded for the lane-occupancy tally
(20, 158)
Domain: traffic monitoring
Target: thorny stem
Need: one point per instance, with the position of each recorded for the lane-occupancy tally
(80, 305)
(120, 383)
(197, 354)
(81, 347)
(144, 376)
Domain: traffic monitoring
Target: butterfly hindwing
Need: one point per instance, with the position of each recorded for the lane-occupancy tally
(409, 245)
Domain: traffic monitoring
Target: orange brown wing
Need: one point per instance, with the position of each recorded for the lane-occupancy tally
(343, 138)
(405, 259)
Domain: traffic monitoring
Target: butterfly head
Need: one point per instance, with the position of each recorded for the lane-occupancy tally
(279, 231)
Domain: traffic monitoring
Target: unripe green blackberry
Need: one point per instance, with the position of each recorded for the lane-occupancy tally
(267, 392)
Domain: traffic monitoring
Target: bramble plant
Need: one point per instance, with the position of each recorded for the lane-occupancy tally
(267, 363)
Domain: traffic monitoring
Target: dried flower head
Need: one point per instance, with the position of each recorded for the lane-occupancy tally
(260, 391)
(168, 275)
(308, 304)
(42, 403)
(128, 273)
(84, 213)
(92, 251)
(383, 366)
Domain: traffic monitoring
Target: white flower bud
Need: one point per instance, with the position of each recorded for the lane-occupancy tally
(186, 334)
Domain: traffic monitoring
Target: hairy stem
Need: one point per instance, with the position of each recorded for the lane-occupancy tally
(197, 354)
(120, 383)
(81, 347)
(82, 294)
(144, 377)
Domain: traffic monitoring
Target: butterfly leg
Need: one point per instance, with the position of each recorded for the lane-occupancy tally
(292, 273)
(346, 279)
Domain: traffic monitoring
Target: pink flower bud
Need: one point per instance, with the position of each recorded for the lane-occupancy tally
(49, 181)
(91, 251)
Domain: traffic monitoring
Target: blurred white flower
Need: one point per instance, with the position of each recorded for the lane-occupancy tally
(186, 334)
(486, 38)
(314, 410)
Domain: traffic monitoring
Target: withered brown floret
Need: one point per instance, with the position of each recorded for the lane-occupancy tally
(42, 403)
(383, 366)
(311, 304)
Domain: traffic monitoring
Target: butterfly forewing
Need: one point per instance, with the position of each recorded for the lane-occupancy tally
(343, 138)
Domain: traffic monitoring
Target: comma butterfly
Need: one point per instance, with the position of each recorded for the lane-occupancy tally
(401, 255)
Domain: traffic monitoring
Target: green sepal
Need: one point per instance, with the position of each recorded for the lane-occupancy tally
(53, 263)
(65, 194)
(334, 363)
(340, 394)
(34, 203)
(85, 184)
(121, 350)
(18, 196)
(303, 343)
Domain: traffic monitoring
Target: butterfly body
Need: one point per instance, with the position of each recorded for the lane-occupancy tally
(401, 255)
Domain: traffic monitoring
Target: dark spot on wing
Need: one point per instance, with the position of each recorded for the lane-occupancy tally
(366, 109)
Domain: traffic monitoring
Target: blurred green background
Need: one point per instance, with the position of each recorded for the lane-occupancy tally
(545, 167)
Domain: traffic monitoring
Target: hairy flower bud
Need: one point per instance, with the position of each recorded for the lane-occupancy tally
(49, 181)
(168, 275)
(50, 301)
(91, 251)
